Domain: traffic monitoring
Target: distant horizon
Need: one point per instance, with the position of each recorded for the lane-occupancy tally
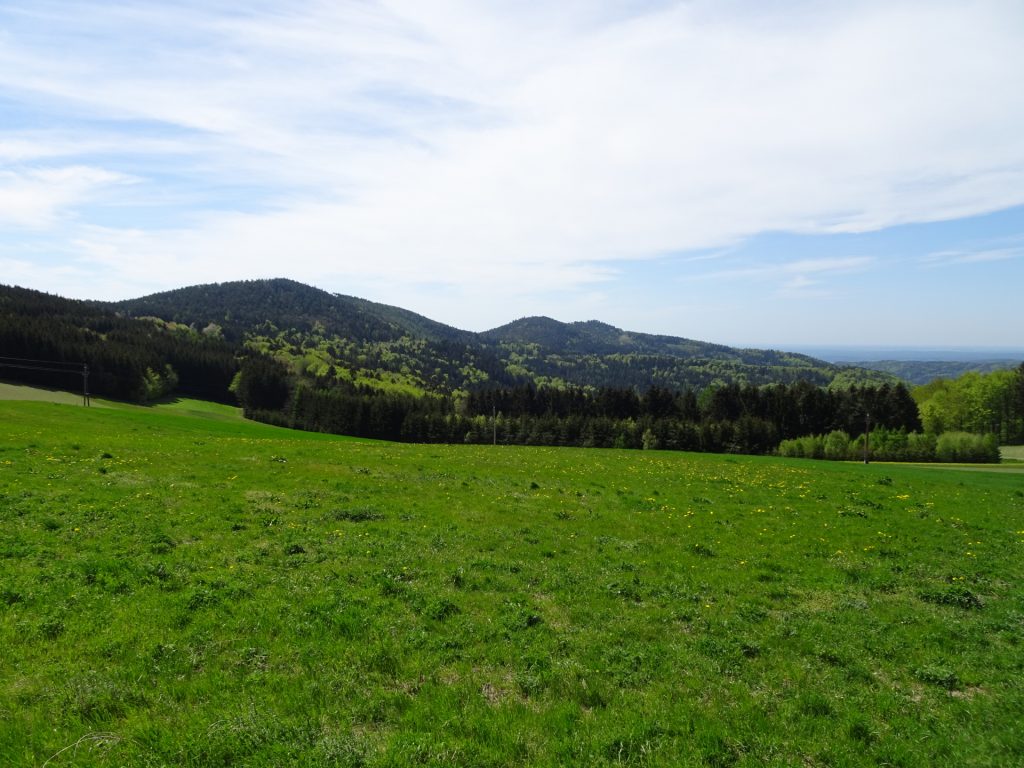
(869, 353)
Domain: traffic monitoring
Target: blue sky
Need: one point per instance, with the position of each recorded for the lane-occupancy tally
(752, 173)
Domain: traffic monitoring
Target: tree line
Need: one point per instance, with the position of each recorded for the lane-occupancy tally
(964, 419)
(797, 419)
(881, 444)
(128, 359)
(730, 418)
(142, 359)
(984, 403)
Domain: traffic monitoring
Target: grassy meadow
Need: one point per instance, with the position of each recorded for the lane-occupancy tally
(179, 587)
(1012, 453)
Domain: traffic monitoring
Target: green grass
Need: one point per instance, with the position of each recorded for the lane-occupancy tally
(10, 391)
(200, 408)
(180, 587)
(1012, 452)
(185, 407)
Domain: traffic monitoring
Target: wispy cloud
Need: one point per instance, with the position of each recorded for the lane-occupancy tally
(791, 273)
(502, 147)
(982, 256)
(35, 198)
(802, 287)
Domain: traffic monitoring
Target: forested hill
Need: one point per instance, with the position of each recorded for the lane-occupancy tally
(239, 307)
(335, 338)
(594, 337)
(366, 342)
(597, 338)
(128, 359)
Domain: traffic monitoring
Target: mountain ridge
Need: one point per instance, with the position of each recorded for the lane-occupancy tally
(533, 329)
(333, 336)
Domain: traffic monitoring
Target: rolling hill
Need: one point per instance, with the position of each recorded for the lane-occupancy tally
(297, 356)
(334, 334)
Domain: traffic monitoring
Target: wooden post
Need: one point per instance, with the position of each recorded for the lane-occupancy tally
(867, 435)
(85, 384)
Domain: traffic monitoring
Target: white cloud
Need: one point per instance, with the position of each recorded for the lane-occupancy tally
(793, 272)
(803, 287)
(35, 198)
(982, 256)
(833, 264)
(487, 147)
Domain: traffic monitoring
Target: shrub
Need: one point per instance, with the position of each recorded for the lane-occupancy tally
(966, 447)
(894, 445)
(888, 444)
(791, 449)
(157, 384)
(813, 446)
(837, 445)
(920, 447)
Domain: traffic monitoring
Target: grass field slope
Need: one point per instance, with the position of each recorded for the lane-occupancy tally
(1012, 453)
(181, 587)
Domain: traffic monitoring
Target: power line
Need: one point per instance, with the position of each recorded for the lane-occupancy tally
(38, 368)
(41, 362)
(44, 366)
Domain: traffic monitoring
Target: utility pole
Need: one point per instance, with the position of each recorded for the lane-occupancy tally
(867, 435)
(494, 422)
(65, 367)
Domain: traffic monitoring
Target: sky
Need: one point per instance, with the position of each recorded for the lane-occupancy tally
(767, 173)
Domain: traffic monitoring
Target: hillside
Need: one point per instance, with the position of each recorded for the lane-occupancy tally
(296, 356)
(362, 341)
(128, 358)
(239, 307)
(321, 334)
(920, 372)
(581, 353)
(195, 341)
(594, 337)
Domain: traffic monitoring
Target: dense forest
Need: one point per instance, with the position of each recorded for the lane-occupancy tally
(128, 359)
(962, 419)
(297, 356)
(731, 418)
(348, 340)
(326, 335)
(986, 403)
